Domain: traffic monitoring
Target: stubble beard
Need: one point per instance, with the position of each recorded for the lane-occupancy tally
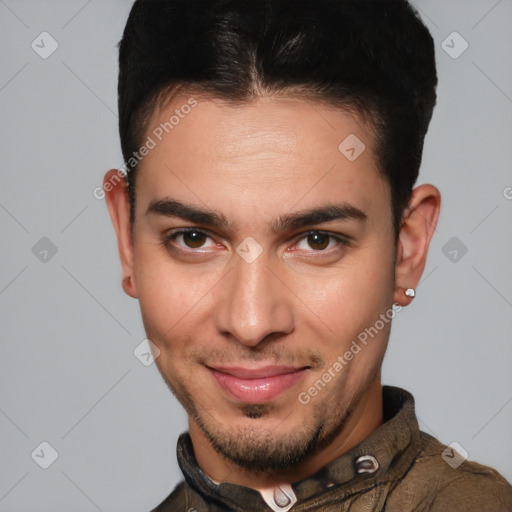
(261, 451)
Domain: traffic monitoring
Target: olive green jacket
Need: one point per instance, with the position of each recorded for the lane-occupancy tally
(398, 468)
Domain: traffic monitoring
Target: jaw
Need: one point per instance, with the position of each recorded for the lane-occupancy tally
(255, 452)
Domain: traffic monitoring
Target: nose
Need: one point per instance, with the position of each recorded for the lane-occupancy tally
(252, 303)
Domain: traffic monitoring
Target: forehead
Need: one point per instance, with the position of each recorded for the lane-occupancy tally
(272, 151)
(266, 127)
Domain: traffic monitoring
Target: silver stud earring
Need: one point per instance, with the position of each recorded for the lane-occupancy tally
(410, 292)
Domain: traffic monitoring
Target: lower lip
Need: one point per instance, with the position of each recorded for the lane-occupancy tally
(257, 391)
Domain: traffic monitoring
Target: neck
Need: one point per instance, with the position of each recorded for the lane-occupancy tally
(366, 418)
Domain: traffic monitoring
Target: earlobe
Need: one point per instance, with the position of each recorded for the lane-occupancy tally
(128, 286)
(116, 197)
(418, 226)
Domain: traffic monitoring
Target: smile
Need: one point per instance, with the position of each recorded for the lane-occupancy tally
(257, 385)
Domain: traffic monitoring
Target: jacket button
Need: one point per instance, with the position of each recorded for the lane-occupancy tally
(366, 464)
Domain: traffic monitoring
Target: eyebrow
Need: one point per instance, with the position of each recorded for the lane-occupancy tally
(327, 213)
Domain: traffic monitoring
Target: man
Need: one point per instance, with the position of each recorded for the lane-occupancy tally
(269, 228)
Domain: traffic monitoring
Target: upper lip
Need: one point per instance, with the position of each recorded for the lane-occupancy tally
(257, 373)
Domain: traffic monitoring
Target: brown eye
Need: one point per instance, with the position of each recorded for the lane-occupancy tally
(318, 241)
(189, 241)
(194, 239)
(321, 242)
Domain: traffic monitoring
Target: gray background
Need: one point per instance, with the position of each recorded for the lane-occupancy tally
(68, 375)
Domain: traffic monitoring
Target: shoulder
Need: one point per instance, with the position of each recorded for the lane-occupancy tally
(175, 501)
(447, 481)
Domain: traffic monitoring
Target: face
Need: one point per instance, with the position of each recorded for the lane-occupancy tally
(260, 254)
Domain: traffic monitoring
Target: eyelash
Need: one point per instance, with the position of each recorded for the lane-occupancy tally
(166, 242)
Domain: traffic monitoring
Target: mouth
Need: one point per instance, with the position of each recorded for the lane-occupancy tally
(257, 385)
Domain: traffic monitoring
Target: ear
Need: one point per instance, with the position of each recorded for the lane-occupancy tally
(116, 196)
(418, 226)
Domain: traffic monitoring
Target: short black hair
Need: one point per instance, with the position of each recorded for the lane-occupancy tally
(372, 57)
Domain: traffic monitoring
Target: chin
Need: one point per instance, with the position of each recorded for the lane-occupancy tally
(261, 448)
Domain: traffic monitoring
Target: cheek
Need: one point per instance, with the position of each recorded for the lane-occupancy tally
(348, 303)
(165, 294)
(354, 294)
